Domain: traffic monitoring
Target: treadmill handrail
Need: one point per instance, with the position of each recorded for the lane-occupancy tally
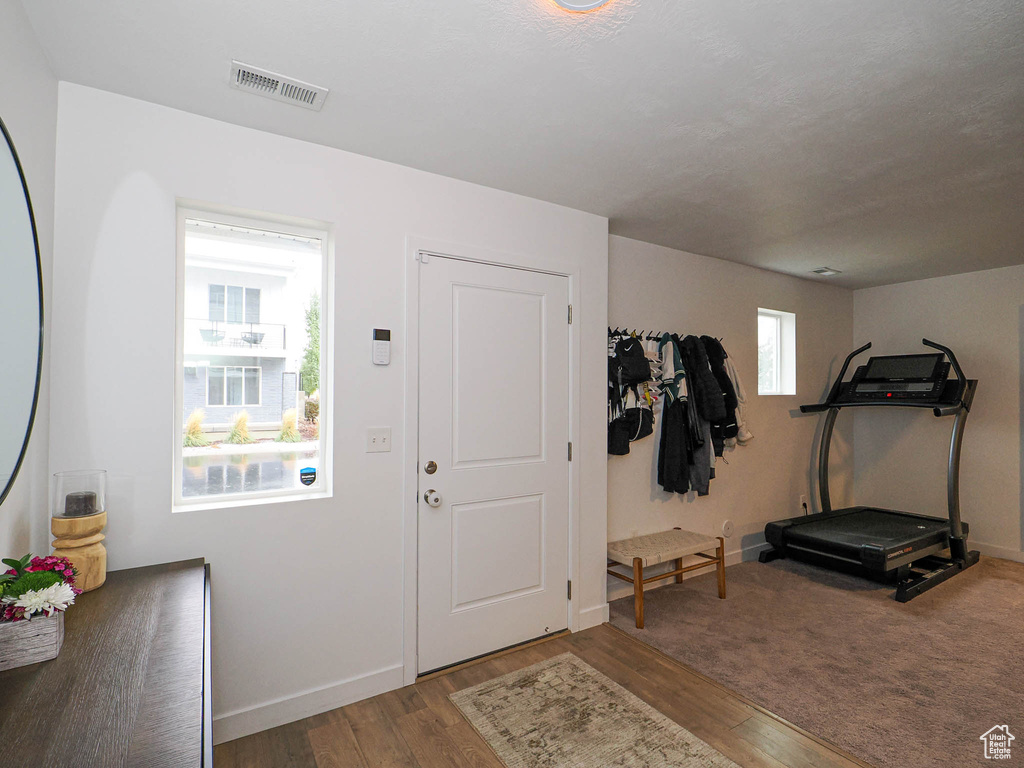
(962, 401)
(837, 386)
(815, 408)
(948, 353)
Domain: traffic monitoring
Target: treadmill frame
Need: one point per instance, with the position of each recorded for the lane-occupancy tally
(921, 569)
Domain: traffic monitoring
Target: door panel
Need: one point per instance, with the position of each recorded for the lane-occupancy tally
(498, 549)
(494, 416)
(508, 371)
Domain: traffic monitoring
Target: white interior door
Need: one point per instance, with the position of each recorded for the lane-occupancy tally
(494, 419)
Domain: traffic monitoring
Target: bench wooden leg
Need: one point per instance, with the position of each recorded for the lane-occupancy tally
(678, 566)
(638, 591)
(721, 567)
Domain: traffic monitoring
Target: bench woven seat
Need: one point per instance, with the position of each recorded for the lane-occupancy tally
(641, 551)
(660, 547)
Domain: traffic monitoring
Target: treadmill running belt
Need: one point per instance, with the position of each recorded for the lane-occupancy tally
(870, 526)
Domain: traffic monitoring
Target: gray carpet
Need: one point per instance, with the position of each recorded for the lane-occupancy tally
(898, 685)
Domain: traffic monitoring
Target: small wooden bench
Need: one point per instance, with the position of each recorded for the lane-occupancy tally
(643, 551)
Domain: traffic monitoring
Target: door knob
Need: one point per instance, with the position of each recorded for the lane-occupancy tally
(433, 498)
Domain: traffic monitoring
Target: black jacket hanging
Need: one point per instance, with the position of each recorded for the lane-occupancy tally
(703, 385)
(716, 358)
(674, 455)
(695, 432)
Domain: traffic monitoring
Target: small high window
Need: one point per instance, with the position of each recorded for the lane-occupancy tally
(776, 352)
(252, 383)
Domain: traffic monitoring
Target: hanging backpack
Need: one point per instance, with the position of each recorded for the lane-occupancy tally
(631, 363)
(639, 423)
(634, 423)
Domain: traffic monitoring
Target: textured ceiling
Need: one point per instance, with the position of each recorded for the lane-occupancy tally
(885, 139)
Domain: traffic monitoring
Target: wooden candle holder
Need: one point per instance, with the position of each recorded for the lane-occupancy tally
(79, 539)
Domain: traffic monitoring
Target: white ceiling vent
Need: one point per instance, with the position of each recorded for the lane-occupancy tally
(826, 272)
(277, 87)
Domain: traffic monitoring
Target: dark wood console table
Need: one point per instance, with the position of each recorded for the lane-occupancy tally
(131, 686)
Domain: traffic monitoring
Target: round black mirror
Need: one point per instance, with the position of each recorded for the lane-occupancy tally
(21, 315)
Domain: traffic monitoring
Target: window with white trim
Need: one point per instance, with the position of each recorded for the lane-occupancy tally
(776, 352)
(252, 328)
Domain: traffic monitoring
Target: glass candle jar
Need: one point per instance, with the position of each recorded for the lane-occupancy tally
(79, 493)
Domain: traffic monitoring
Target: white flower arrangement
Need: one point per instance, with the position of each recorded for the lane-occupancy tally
(56, 597)
(36, 586)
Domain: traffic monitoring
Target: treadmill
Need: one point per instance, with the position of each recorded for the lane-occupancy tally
(885, 544)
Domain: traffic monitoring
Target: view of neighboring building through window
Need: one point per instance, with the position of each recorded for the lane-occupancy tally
(776, 352)
(249, 321)
(240, 305)
(233, 385)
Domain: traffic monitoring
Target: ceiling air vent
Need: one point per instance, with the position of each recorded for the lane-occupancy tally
(825, 271)
(277, 87)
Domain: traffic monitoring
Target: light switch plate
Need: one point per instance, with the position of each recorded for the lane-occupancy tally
(378, 440)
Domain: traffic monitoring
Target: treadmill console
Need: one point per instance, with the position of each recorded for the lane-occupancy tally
(899, 377)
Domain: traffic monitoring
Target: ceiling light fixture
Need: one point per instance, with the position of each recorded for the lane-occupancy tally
(826, 271)
(581, 6)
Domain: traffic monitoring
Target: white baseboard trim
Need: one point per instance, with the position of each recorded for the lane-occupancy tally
(592, 617)
(618, 588)
(991, 550)
(243, 722)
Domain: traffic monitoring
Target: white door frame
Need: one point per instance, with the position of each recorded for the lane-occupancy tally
(550, 265)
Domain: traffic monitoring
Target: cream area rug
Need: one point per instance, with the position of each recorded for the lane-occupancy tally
(563, 713)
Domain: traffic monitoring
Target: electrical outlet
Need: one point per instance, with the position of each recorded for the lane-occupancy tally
(378, 440)
(804, 506)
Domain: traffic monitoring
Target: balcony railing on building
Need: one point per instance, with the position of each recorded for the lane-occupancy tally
(210, 333)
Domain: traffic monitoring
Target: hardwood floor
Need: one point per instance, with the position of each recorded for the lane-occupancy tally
(418, 727)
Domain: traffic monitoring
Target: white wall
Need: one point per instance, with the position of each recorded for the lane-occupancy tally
(901, 454)
(651, 287)
(308, 597)
(28, 106)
